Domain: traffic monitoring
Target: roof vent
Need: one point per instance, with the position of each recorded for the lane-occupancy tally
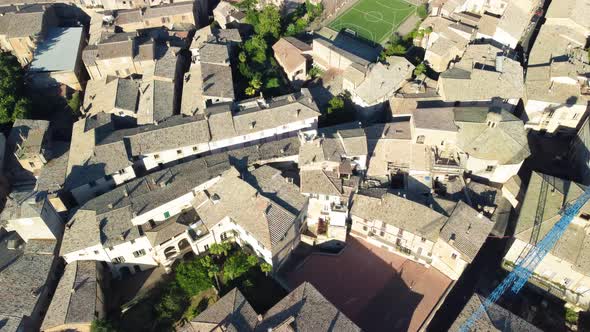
(215, 198)
(252, 124)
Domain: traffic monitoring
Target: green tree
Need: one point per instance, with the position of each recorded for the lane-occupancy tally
(74, 102)
(266, 268)
(102, 325)
(13, 104)
(272, 83)
(212, 269)
(420, 69)
(256, 47)
(269, 22)
(171, 304)
(315, 72)
(220, 249)
(247, 4)
(314, 11)
(422, 11)
(250, 91)
(252, 260)
(335, 104)
(192, 277)
(235, 266)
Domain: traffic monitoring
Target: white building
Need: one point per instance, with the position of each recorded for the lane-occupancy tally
(31, 215)
(447, 241)
(156, 219)
(329, 162)
(372, 86)
(565, 270)
(557, 88)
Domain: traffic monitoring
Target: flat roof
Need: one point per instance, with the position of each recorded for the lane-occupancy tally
(58, 51)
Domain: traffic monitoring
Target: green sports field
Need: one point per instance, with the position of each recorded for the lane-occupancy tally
(374, 20)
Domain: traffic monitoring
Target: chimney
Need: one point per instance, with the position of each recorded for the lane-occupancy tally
(110, 205)
(480, 215)
(500, 63)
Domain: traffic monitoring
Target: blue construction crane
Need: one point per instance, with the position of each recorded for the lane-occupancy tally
(526, 264)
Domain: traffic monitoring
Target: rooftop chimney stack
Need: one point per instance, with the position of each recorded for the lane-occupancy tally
(500, 63)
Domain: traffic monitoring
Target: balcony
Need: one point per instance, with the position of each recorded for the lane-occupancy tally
(446, 161)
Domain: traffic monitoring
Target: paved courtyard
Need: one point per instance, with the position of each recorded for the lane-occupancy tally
(377, 289)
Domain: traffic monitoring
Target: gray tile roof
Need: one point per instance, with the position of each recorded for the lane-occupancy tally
(118, 45)
(232, 312)
(306, 309)
(126, 95)
(399, 129)
(53, 175)
(168, 10)
(435, 118)
(171, 227)
(76, 299)
(29, 20)
(106, 219)
(401, 213)
(266, 220)
(506, 141)
(382, 80)
(494, 319)
(276, 112)
(475, 77)
(214, 54)
(217, 81)
(21, 285)
(156, 101)
(270, 183)
(574, 244)
(320, 182)
(466, 230)
(334, 143)
(174, 132)
(21, 204)
(166, 65)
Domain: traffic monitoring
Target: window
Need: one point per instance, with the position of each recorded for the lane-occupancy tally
(178, 151)
(223, 236)
(195, 149)
(165, 20)
(119, 260)
(117, 73)
(110, 248)
(567, 281)
(96, 252)
(365, 228)
(156, 156)
(32, 164)
(382, 233)
(420, 139)
(122, 171)
(139, 253)
(490, 168)
(423, 240)
(585, 216)
(575, 116)
(454, 256)
(206, 247)
(132, 241)
(166, 214)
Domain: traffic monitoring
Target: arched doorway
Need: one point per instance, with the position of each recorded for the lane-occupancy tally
(169, 252)
(124, 272)
(183, 244)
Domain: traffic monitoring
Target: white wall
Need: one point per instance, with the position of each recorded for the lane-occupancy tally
(558, 271)
(500, 173)
(566, 116)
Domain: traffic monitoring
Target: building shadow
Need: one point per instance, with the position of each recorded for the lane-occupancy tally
(376, 294)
